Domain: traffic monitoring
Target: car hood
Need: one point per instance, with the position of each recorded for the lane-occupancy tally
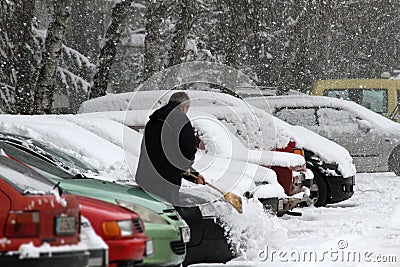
(109, 191)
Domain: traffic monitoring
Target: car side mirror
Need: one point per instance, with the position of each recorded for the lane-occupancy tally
(363, 125)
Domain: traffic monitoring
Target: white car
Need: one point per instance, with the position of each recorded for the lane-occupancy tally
(372, 140)
(331, 163)
(230, 165)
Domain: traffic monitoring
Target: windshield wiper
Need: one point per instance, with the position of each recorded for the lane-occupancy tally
(80, 176)
(60, 190)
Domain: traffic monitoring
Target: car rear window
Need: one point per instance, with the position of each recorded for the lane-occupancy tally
(24, 179)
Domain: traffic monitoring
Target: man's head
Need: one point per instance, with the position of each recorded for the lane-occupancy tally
(180, 99)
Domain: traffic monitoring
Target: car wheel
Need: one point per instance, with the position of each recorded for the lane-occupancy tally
(394, 161)
(322, 190)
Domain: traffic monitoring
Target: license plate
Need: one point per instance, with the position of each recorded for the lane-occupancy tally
(65, 225)
(149, 247)
(185, 232)
(280, 204)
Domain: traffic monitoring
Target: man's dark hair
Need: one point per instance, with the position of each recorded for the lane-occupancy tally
(179, 98)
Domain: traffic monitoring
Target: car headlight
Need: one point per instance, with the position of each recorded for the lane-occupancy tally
(118, 228)
(146, 214)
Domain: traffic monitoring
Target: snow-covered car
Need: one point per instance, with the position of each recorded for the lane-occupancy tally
(207, 235)
(231, 175)
(331, 163)
(121, 229)
(372, 140)
(222, 157)
(168, 231)
(38, 226)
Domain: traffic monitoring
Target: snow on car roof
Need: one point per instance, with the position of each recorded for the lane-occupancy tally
(142, 100)
(255, 122)
(271, 103)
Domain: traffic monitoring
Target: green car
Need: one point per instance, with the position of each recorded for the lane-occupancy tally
(163, 224)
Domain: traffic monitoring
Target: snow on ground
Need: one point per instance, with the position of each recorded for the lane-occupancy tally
(361, 231)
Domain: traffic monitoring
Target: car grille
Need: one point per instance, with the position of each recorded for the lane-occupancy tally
(171, 213)
(178, 247)
(173, 217)
(138, 225)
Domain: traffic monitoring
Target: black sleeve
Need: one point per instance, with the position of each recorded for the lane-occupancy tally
(187, 141)
(189, 177)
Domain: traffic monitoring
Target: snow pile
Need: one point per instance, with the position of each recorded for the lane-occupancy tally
(258, 229)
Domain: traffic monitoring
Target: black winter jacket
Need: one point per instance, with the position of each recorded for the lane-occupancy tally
(168, 149)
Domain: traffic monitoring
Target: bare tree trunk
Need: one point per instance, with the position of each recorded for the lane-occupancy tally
(152, 41)
(44, 90)
(182, 29)
(109, 50)
(22, 38)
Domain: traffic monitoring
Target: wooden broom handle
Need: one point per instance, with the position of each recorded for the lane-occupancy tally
(210, 185)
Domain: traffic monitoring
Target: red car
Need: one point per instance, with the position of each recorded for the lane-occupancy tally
(37, 226)
(121, 229)
(291, 179)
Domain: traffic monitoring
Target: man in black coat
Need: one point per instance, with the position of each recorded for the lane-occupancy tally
(168, 150)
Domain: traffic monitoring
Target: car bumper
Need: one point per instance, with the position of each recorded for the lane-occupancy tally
(125, 251)
(64, 259)
(98, 258)
(169, 249)
(282, 206)
(340, 188)
(208, 242)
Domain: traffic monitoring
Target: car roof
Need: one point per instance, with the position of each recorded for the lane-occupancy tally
(273, 103)
(142, 100)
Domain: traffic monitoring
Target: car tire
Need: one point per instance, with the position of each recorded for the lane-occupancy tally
(394, 161)
(322, 190)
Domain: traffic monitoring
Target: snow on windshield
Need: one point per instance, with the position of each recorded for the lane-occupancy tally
(72, 139)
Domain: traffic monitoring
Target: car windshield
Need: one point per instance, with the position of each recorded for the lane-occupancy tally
(66, 161)
(43, 167)
(23, 178)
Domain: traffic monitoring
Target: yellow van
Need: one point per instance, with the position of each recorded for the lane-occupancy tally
(379, 95)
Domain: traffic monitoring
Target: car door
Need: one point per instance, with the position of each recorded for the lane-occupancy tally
(355, 134)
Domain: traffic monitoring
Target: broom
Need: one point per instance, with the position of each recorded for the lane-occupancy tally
(231, 198)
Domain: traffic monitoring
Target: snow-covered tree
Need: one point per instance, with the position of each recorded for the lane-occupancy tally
(45, 85)
(109, 50)
(20, 34)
